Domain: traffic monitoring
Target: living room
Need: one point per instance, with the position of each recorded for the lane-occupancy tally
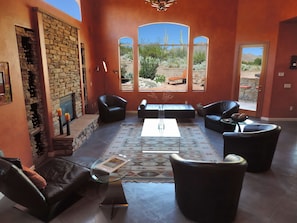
(228, 24)
(234, 29)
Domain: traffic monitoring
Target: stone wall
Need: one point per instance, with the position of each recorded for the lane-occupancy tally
(62, 52)
(248, 89)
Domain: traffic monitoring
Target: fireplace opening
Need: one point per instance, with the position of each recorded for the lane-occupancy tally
(67, 105)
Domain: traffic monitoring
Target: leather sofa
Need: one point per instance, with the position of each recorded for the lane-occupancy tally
(208, 192)
(180, 111)
(214, 112)
(111, 108)
(257, 144)
(62, 179)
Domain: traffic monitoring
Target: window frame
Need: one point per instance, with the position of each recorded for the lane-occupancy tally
(201, 83)
(126, 81)
(164, 45)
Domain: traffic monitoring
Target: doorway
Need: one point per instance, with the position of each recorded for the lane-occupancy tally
(251, 69)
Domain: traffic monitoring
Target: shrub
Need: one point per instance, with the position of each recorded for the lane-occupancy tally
(199, 57)
(148, 67)
(160, 78)
(123, 69)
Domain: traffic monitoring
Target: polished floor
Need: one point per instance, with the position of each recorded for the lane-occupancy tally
(269, 197)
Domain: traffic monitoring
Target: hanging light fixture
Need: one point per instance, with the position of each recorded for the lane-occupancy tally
(161, 5)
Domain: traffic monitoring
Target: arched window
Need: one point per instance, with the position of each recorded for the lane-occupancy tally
(163, 57)
(200, 61)
(126, 64)
(71, 7)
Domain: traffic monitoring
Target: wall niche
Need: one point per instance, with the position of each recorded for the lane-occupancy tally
(33, 94)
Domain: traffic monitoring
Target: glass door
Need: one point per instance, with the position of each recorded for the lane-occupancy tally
(252, 73)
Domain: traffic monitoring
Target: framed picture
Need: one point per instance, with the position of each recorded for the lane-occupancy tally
(5, 87)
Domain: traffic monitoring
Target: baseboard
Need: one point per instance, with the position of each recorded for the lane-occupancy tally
(131, 112)
(279, 119)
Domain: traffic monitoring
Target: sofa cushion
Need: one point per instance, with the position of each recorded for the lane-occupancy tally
(258, 127)
(36, 179)
(143, 104)
(170, 110)
(63, 178)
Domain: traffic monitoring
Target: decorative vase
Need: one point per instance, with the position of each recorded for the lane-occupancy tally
(161, 116)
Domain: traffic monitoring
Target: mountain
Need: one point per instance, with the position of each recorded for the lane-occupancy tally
(249, 57)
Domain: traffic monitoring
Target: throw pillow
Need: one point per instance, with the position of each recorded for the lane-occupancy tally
(37, 179)
(143, 104)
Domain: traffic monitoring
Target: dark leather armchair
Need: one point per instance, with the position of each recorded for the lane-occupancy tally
(63, 180)
(208, 192)
(214, 112)
(257, 144)
(111, 108)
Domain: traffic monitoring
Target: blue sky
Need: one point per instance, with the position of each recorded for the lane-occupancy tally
(69, 6)
(159, 32)
(258, 51)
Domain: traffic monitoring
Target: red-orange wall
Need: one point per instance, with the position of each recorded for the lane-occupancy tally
(14, 135)
(14, 140)
(285, 97)
(214, 19)
(226, 24)
(259, 22)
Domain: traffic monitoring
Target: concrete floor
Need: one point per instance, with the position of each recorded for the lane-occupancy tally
(269, 197)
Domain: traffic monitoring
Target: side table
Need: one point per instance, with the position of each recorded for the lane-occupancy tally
(239, 117)
(115, 196)
(228, 125)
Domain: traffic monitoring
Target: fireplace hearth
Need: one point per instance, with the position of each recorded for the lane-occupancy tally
(81, 129)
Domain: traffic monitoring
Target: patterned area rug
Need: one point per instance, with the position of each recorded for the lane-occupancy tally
(156, 167)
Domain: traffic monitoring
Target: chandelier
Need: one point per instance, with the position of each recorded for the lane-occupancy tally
(161, 5)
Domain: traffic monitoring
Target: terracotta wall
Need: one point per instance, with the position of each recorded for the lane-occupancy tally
(256, 22)
(284, 98)
(95, 80)
(14, 134)
(259, 22)
(113, 19)
(14, 140)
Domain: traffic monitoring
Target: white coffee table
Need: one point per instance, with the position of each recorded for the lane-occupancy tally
(165, 131)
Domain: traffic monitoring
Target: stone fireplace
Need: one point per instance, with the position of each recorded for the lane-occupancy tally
(64, 87)
(64, 77)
